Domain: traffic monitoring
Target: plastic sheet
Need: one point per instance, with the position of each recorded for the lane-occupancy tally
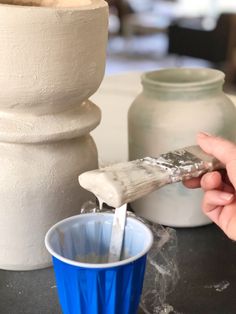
(162, 272)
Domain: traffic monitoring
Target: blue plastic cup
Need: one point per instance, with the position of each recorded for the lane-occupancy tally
(86, 282)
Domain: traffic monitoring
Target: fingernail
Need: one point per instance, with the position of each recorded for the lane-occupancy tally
(203, 134)
(226, 196)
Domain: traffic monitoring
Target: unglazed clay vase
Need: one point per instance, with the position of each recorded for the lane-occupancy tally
(174, 106)
(52, 60)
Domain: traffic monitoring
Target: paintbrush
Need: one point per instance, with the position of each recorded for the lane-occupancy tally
(125, 182)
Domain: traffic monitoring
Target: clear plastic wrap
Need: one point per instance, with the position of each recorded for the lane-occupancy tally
(162, 271)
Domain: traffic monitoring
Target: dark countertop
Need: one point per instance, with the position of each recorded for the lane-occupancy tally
(206, 257)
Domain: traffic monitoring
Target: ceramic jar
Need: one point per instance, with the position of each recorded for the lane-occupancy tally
(174, 106)
(52, 60)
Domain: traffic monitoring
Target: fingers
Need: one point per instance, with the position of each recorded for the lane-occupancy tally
(192, 183)
(219, 202)
(215, 198)
(211, 181)
(220, 207)
(230, 227)
(223, 150)
(214, 204)
(214, 180)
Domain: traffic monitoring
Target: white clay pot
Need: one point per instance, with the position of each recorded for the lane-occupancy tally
(174, 106)
(52, 59)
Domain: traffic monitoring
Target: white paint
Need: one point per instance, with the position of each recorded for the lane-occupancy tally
(167, 116)
(100, 203)
(219, 287)
(117, 234)
(51, 60)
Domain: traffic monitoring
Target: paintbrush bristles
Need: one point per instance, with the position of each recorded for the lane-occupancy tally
(121, 183)
(125, 182)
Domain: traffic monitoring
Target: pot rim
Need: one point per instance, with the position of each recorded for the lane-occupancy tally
(97, 4)
(179, 78)
(130, 220)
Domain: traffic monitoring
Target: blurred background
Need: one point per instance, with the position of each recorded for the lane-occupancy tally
(151, 34)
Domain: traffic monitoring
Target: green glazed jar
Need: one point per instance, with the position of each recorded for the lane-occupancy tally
(174, 106)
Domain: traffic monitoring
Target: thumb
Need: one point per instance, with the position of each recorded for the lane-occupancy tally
(223, 150)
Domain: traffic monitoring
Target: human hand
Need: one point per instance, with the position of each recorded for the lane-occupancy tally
(219, 201)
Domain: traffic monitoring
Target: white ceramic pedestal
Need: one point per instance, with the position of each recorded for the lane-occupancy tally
(51, 61)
